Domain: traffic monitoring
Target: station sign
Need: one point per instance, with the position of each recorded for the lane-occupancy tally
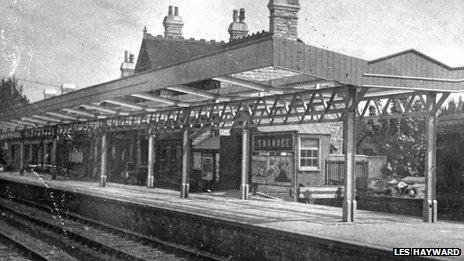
(273, 142)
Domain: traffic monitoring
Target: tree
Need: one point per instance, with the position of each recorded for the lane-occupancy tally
(11, 97)
(452, 107)
(401, 140)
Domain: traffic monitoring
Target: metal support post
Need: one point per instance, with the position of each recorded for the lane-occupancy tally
(53, 158)
(21, 157)
(296, 188)
(430, 201)
(185, 165)
(349, 123)
(9, 156)
(95, 158)
(45, 154)
(151, 150)
(104, 160)
(38, 154)
(245, 164)
(30, 157)
(138, 160)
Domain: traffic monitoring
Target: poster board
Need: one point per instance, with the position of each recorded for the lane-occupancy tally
(76, 157)
(197, 160)
(277, 170)
(207, 168)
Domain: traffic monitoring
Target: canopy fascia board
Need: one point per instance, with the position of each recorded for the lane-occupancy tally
(407, 70)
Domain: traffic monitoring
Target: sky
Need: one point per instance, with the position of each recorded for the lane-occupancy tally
(83, 41)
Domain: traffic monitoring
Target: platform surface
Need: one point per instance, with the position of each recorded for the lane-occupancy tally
(373, 229)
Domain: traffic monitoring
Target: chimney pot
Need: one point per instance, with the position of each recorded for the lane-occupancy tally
(242, 15)
(126, 56)
(176, 11)
(170, 11)
(235, 16)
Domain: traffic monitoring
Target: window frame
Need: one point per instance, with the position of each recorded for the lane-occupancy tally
(309, 168)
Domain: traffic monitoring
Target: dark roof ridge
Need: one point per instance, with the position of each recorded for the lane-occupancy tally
(250, 37)
(182, 39)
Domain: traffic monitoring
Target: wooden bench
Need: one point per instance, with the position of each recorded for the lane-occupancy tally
(325, 192)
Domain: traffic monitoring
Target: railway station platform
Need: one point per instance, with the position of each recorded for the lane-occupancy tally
(255, 228)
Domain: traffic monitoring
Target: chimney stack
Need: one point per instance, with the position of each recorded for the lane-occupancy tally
(128, 66)
(284, 18)
(238, 28)
(173, 24)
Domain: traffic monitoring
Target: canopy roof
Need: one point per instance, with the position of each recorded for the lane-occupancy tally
(264, 80)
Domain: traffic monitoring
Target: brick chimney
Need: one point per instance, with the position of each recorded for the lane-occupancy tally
(173, 24)
(128, 66)
(238, 28)
(284, 18)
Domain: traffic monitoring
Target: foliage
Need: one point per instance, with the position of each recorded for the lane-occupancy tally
(450, 152)
(401, 140)
(11, 97)
(453, 107)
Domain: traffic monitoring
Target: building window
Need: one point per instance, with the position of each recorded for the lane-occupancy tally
(309, 156)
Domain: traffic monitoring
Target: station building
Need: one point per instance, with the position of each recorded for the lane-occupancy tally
(216, 154)
(262, 112)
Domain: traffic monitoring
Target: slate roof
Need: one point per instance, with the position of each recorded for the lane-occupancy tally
(158, 51)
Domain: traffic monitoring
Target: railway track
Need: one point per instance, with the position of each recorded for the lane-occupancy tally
(11, 250)
(53, 235)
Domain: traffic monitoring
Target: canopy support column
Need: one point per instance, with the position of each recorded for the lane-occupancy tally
(95, 157)
(138, 153)
(53, 157)
(21, 157)
(430, 201)
(39, 154)
(185, 165)
(349, 131)
(45, 153)
(151, 154)
(245, 163)
(9, 156)
(104, 159)
(30, 156)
